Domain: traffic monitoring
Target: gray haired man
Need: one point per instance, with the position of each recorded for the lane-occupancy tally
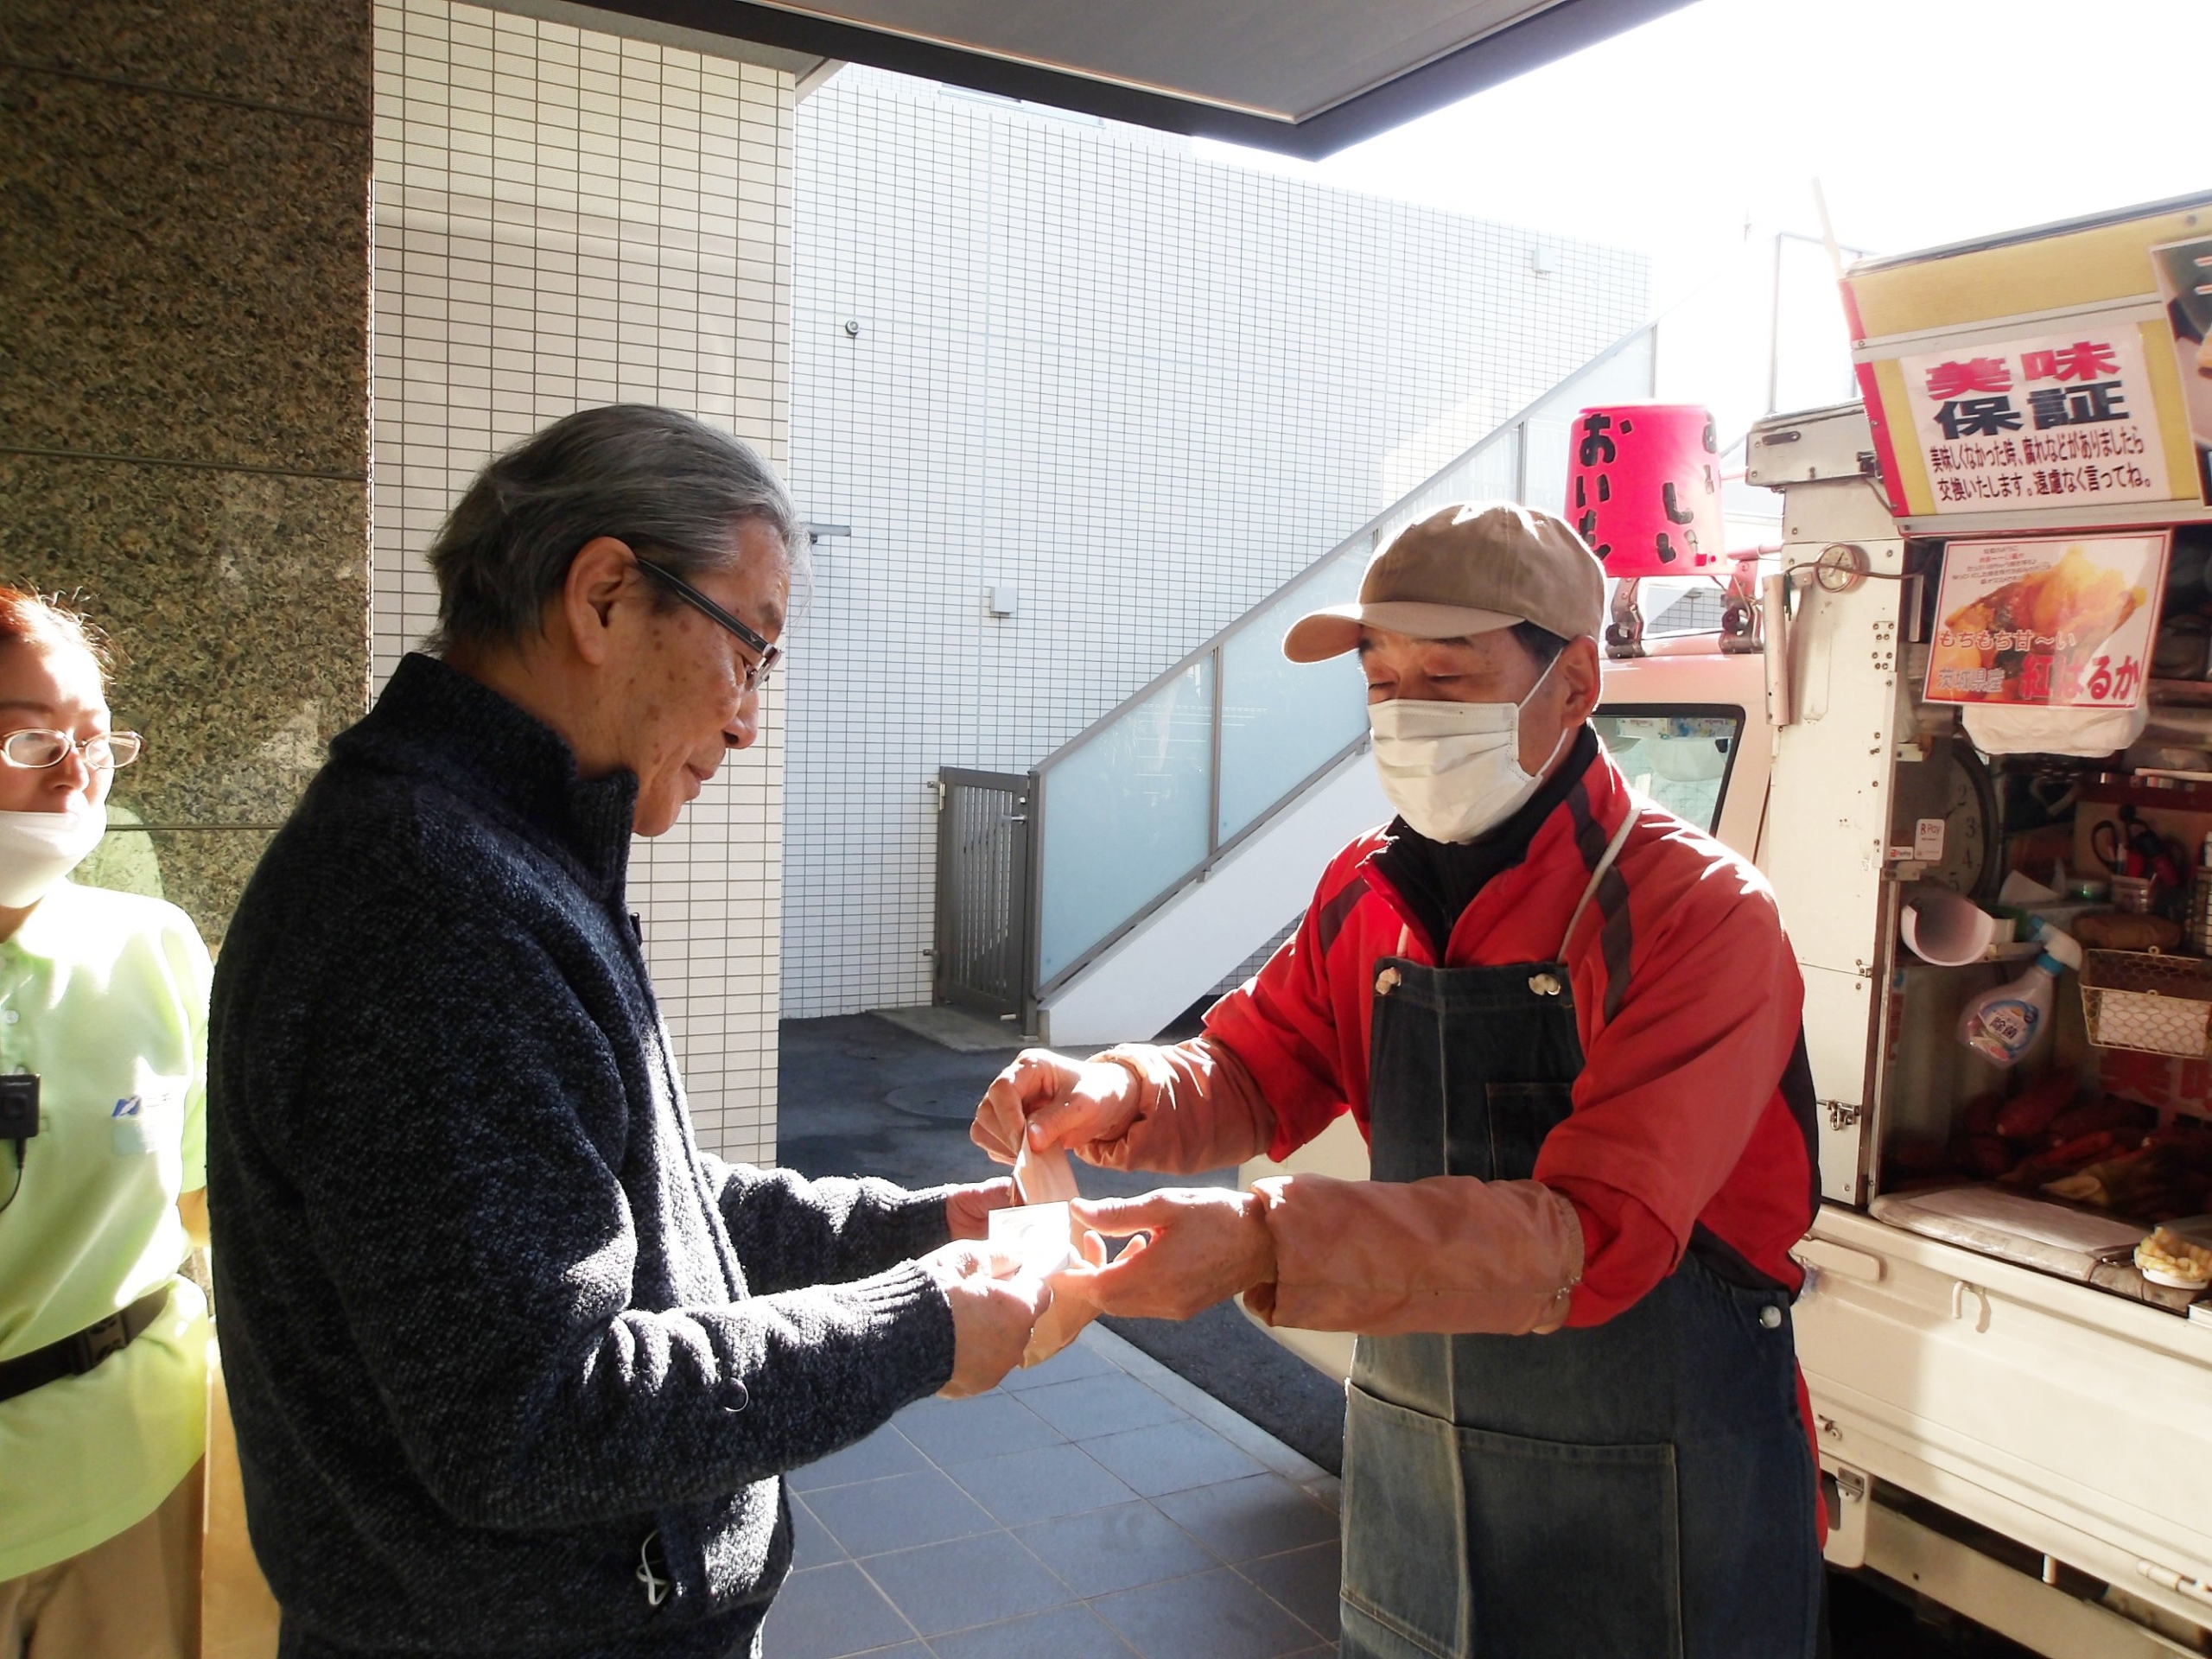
(515, 1365)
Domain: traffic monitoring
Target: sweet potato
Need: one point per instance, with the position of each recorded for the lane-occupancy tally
(1979, 1115)
(2064, 1160)
(2108, 1112)
(2028, 1113)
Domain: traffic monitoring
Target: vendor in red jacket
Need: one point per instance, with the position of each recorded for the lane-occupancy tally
(1569, 1026)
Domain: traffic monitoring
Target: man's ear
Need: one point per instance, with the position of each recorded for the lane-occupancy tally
(601, 570)
(1580, 681)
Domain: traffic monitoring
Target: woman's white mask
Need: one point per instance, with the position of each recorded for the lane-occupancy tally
(1453, 769)
(38, 848)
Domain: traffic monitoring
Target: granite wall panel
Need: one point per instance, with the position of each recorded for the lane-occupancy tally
(184, 394)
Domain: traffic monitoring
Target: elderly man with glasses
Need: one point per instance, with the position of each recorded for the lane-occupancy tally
(515, 1366)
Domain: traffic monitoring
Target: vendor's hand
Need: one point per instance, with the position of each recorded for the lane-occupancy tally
(994, 1306)
(1201, 1244)
(967, 1208)
(1078, 1104)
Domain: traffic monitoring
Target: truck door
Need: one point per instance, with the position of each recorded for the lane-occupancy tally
(1827, 833)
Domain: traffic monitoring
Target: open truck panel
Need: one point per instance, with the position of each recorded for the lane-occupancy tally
(2014, 1422)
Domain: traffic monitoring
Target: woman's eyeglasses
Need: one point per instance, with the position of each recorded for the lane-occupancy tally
(34, 750)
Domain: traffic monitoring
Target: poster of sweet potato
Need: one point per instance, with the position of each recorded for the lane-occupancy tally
(2051, 622)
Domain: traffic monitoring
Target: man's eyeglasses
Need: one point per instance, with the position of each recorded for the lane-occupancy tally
(35, 751)
(756, 674)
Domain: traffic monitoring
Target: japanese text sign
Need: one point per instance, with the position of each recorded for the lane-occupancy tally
(2058, 622)
(2058, 419)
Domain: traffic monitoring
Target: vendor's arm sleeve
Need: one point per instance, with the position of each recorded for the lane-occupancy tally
(790, 1232)
(1448, 1253)
(1198, 1108)
(1282, 1025)
(487, 1278)
(1671, 1090)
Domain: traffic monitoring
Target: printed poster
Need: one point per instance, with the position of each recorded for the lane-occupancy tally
(2064, 419)
(2184, 273)
(2052, 621)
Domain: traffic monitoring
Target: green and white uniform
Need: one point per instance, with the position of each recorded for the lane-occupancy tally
(104, 996)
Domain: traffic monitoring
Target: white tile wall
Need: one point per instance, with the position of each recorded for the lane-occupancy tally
(1141, 388)
(564, 219)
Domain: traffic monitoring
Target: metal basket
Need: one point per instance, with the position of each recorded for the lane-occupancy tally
(2147, 1001)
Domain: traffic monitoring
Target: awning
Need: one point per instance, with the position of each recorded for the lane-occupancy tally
(1305, 77)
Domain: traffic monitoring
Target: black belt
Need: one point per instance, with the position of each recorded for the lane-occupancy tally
(75, 1355)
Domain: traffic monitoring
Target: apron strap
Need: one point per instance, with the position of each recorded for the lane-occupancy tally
(1612, 851)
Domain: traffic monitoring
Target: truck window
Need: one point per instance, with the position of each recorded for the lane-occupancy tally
(1680, 757)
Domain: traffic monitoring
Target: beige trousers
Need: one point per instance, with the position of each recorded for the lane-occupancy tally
(135, 1596)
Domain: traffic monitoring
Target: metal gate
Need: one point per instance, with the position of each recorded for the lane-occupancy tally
(984, 905)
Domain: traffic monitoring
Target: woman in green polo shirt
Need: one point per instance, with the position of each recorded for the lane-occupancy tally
(102, 1342)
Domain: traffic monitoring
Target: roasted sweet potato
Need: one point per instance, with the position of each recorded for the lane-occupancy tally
(2109, 1112)
(2028, 1113)
(1986, 1155)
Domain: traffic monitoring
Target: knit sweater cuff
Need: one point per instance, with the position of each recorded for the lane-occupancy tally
(917, 1223)
(911, 1314)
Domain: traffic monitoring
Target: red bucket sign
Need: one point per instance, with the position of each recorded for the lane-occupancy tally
(1643, 488)
(2054, 622)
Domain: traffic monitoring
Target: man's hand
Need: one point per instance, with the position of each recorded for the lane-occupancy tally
(994, 1306)
(1201, 1244)
(1079, 1104)
(967, 1208)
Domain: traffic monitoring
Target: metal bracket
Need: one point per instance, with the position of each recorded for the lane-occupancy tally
(1840, 1117)
(1624, 633)
(1743, 617)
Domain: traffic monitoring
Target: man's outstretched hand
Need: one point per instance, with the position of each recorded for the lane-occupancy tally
(967, 1208)
(994, 1307)
(1085, 1106)
(1199, 1245)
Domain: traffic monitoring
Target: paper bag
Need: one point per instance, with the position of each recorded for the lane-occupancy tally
(1042, 1224)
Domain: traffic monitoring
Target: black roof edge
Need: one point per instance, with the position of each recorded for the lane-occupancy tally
(2035, 233)
(1502, 55)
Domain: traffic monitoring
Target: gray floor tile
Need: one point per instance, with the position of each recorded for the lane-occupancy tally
(812, 1544)
(968, 1581)
(1100, 1405)
(897, 1514)
(1063, 1367)
(1040, 1483)
(1304, 1580)
(1171, 1458)
(1118, 1548)
(828, 1613)
(1214, 1616)
(1064, 1633)
(884, 1453)
(1241, 1519)
(961, 1431)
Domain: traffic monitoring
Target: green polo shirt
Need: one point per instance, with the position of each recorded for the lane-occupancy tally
(104, 996)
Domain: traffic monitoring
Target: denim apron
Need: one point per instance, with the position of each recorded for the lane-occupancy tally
(1638, 1490)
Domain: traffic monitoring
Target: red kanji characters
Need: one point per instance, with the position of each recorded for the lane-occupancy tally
(2085, 359)
(1976, 374)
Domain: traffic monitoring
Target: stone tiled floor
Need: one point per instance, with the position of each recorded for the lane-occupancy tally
(1097, 1507)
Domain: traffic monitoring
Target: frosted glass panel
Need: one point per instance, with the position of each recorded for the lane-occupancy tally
(1281, 721)
(1125, 816)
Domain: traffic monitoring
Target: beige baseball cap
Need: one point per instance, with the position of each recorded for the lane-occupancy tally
(1466, 570)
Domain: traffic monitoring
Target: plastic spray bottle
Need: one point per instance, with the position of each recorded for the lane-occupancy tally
(2003, 1023)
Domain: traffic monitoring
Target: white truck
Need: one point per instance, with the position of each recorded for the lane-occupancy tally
(2014, 1422)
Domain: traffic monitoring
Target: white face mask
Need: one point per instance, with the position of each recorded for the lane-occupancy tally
(1453, 769)
(38, 848)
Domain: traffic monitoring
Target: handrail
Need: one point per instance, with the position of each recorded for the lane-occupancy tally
(1505, 429)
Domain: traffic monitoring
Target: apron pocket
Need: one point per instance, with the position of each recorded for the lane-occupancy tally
(1478, 1545)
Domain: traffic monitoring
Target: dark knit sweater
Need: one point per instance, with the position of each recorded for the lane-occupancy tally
(495, 1329)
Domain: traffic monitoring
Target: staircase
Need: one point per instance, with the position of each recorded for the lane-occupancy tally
(1096, 897)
